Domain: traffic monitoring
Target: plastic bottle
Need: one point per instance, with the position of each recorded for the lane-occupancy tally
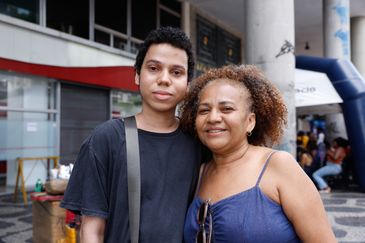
(38, 186)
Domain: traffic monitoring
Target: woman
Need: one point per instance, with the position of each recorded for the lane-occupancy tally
(247, 192)
(335, 156)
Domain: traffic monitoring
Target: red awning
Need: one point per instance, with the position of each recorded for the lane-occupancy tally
(115, 77)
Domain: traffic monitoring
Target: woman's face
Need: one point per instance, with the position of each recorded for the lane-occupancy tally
(223, 117)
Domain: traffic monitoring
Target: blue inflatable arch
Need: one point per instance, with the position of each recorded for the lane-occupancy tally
(350, 85)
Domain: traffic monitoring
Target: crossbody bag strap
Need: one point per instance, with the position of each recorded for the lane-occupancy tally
(134, 176)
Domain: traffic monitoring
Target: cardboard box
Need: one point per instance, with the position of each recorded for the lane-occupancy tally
(48, 221)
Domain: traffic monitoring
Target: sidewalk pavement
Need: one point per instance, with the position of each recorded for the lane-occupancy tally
(15, 220)
(346, 212)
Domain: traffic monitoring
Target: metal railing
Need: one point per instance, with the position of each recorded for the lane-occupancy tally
(129, 43)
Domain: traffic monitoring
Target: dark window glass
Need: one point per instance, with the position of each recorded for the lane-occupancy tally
(69, 16)
(112, 14)
(230, 48)
(135, 47)
(27, 10)
(102, 37)
(143, 17)
(206, 42)
(167, 19)
(120, 43)
(214, 46)
(172, 4)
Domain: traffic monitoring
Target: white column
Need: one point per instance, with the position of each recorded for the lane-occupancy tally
(269, 44)
(335, 127)
(357, 43)
(185, 19)
(336, 28)
(92, 20)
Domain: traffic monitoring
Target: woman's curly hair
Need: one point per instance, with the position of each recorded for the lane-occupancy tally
(266, 102)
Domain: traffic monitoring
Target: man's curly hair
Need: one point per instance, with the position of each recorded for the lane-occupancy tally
(167, 35)
(266, 102)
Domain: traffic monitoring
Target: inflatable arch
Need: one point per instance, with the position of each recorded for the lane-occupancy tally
(350, 85)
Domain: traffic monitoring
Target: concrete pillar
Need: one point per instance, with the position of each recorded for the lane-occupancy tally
(335, 127)
(357, 43)
(336, 28)
(269, 44)
(185, 20)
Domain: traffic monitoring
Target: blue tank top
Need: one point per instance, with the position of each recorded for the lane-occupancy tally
(248, 216)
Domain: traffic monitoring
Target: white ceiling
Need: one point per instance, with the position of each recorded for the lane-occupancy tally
(308, 19)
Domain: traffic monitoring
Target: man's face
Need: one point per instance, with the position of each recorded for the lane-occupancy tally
(163, 78)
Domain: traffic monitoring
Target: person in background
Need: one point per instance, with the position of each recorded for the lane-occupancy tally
(320, 136)
(248, 192)
(305, 139)
(302, 139)
(169, 158)
(312, 146)
(335, 156)
(305, 160)
(312, 150)
(322, 146)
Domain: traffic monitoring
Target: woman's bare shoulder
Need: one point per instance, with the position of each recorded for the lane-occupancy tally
(284, 164)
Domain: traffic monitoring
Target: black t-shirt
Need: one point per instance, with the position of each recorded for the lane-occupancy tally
(169, 169)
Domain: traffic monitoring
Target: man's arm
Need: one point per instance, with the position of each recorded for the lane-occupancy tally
(92, 229)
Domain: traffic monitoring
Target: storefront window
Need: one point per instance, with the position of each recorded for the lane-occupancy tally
(27, 10)
(125, 103)
(27, 134)
(28, 123)
(26, 91)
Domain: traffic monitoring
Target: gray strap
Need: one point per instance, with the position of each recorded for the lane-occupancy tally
(134, 176)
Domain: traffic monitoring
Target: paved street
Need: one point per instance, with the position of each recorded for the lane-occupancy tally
(346, 211)
(15, 220)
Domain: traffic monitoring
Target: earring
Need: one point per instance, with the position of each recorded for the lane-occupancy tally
(249, 133)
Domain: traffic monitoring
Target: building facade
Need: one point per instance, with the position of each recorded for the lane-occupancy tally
(66, 67)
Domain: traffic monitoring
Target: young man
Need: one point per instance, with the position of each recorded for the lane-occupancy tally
(169, 158)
